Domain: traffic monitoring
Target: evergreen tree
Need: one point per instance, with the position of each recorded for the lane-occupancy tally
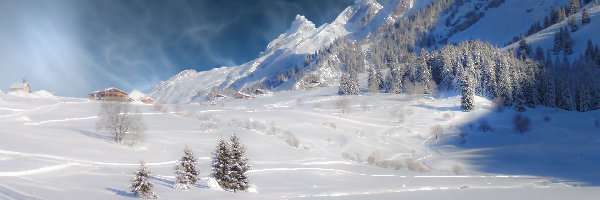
(344, 85)
(353, 85)
(539, 54)
(567, 43)
(558, 42)
(186, 170)
(395, 81)
(238, 165)
(519, 99)
(140, 183)
(590, 52)
(573, 23)
(373, 82)
(584, 101)
(547, 89)
(221, 168)
(467, 101)
(574, 6)
(585, 17)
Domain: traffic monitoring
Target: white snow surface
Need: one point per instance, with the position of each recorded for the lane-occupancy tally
(49, 149)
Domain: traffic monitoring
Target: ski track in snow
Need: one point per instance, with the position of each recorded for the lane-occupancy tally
(69, 162)
(10, 193)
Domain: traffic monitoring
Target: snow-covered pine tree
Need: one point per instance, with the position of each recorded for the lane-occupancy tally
(573, 23)
(373, 82)
(584, 101)
(221, 164)
(140, 183)
(467, 101)
(395, 80)
(519, 99)
(558, 43)
(379, 77)
(425, 76)
(353, 85)
(539, 54)
(238, 165)
(344, 84)
(585, 17)
(564, 97)
(574, 6)
(547, 90)
(567, 42)
(186, 170)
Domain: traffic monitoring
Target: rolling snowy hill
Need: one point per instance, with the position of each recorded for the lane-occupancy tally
(50, 149)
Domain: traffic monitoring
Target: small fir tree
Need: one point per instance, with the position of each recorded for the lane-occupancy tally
(573, 23)
(220, 164)
(585, 17)
(140, 183)
(238, 165)
(186, 170)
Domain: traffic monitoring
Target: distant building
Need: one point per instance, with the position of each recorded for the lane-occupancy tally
(110, 94)
(240, 95)
(147, 100)
(261, 91)
(20, 87)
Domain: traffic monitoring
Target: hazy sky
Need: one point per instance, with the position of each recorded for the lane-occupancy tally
(72, 47)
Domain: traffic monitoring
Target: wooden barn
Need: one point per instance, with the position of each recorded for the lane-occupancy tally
(110, 94)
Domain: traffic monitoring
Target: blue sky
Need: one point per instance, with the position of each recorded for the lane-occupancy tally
(72, 47)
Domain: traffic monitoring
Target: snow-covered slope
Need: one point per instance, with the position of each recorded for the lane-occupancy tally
(497, 25)
(591, 31)
(49, 149)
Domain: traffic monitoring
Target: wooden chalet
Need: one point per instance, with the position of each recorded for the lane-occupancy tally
(110, 94)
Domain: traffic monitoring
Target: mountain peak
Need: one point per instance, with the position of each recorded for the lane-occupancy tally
(299, 24)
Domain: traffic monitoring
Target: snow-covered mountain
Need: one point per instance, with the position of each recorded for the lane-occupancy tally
(293, 52)
(287, 52)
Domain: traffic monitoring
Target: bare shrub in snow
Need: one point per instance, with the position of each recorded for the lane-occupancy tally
(364, 106)
(120, 122)
(373, 158)
(521, 123)
(498, 103)
(485, 126)
(291, 139)
(547, 118)
(158, 106)
(390, 164)
(348, 156)
(209, 126)
(330, 125)
(436, 131)
(463, 137)
(457, 170)
(401, 115)
(414, 165)
(343, 105)
(447, 116)
(299, 103)
(317, 105)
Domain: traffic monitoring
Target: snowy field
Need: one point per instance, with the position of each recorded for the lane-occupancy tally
(305, 145)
